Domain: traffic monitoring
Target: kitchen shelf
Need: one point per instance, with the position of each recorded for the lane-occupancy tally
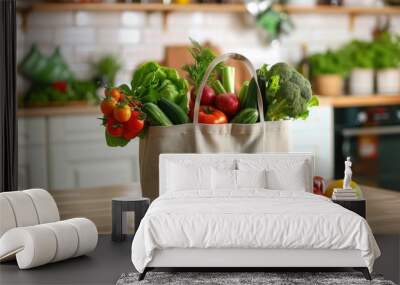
(228, 8)
(359, 101)
(154, 7)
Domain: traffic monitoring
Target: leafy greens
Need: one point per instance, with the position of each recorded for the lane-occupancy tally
(151, 81)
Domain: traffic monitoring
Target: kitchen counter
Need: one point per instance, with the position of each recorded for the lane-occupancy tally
(359, 101)
(58, 111)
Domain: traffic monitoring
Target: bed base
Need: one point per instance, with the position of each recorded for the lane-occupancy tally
(250, 259)
(363, 270)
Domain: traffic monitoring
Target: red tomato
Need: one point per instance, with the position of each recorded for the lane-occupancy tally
(114, 128)
(211, 115)
(116, 94)
(108, 105)
(122, 113)
(133, 126)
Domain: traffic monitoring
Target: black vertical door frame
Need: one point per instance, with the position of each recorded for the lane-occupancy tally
(8, 98)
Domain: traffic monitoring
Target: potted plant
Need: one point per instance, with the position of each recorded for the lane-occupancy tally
(106, 69)
(360, 56)
(387, 63)
(327, 71)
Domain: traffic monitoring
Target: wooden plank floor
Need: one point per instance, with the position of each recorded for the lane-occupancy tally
(383, 206)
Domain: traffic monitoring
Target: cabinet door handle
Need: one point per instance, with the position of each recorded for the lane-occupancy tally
(387, 130)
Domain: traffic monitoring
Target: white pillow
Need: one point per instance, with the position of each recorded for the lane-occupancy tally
(251, 179)
(182, 177)
(294, 180)
(223, 179)
(281, 174)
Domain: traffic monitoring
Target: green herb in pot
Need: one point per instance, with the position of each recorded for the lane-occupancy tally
(386, 51)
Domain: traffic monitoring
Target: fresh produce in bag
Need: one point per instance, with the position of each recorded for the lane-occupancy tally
(159, 97)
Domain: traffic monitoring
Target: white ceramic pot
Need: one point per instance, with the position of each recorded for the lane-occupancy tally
(388, 81)
(302, 2)
(361, 82)
(360, 3)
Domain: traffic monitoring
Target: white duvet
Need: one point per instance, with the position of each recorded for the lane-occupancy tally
(250, 219)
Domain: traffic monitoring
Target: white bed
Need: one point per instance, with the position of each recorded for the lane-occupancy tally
(201, 220)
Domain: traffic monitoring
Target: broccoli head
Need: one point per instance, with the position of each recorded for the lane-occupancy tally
(288, 93)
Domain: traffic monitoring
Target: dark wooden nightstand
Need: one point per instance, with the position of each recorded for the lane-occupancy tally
(126, 204)
(357, 206)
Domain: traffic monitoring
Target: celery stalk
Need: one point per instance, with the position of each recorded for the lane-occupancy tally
(218, 87)
(228, 78)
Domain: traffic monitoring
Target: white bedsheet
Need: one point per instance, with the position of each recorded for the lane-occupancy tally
(250, 219)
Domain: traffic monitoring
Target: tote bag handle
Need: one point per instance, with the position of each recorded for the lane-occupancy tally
(211, 67)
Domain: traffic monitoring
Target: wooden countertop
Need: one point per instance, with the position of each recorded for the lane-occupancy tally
(336, 102)
(359, 101)
(58, 111)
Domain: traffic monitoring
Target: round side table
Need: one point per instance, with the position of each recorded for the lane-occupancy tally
(124, 204)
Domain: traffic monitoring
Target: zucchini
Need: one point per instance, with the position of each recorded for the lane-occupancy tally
(246, 116)
(173, 111)
(243, 92)
(156, 116)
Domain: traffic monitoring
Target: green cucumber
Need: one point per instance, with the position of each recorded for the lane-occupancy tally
(156, 116)
(250, 100)
(243, 92)
(173, 111)
(246, 116)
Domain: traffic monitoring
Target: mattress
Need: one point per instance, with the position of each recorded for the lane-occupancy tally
(250, 219)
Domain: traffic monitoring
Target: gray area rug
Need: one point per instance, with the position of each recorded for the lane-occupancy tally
(243, 278)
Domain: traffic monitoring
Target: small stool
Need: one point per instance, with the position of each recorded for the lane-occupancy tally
(124, 204)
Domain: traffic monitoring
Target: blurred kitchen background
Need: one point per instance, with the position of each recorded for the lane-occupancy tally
(350, 50)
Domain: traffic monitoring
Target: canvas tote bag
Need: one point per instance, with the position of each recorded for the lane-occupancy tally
(209, 138)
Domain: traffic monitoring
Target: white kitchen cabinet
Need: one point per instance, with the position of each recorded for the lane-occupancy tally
(72, 153)
(32, 153)
(80, 158)
(316, 135)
